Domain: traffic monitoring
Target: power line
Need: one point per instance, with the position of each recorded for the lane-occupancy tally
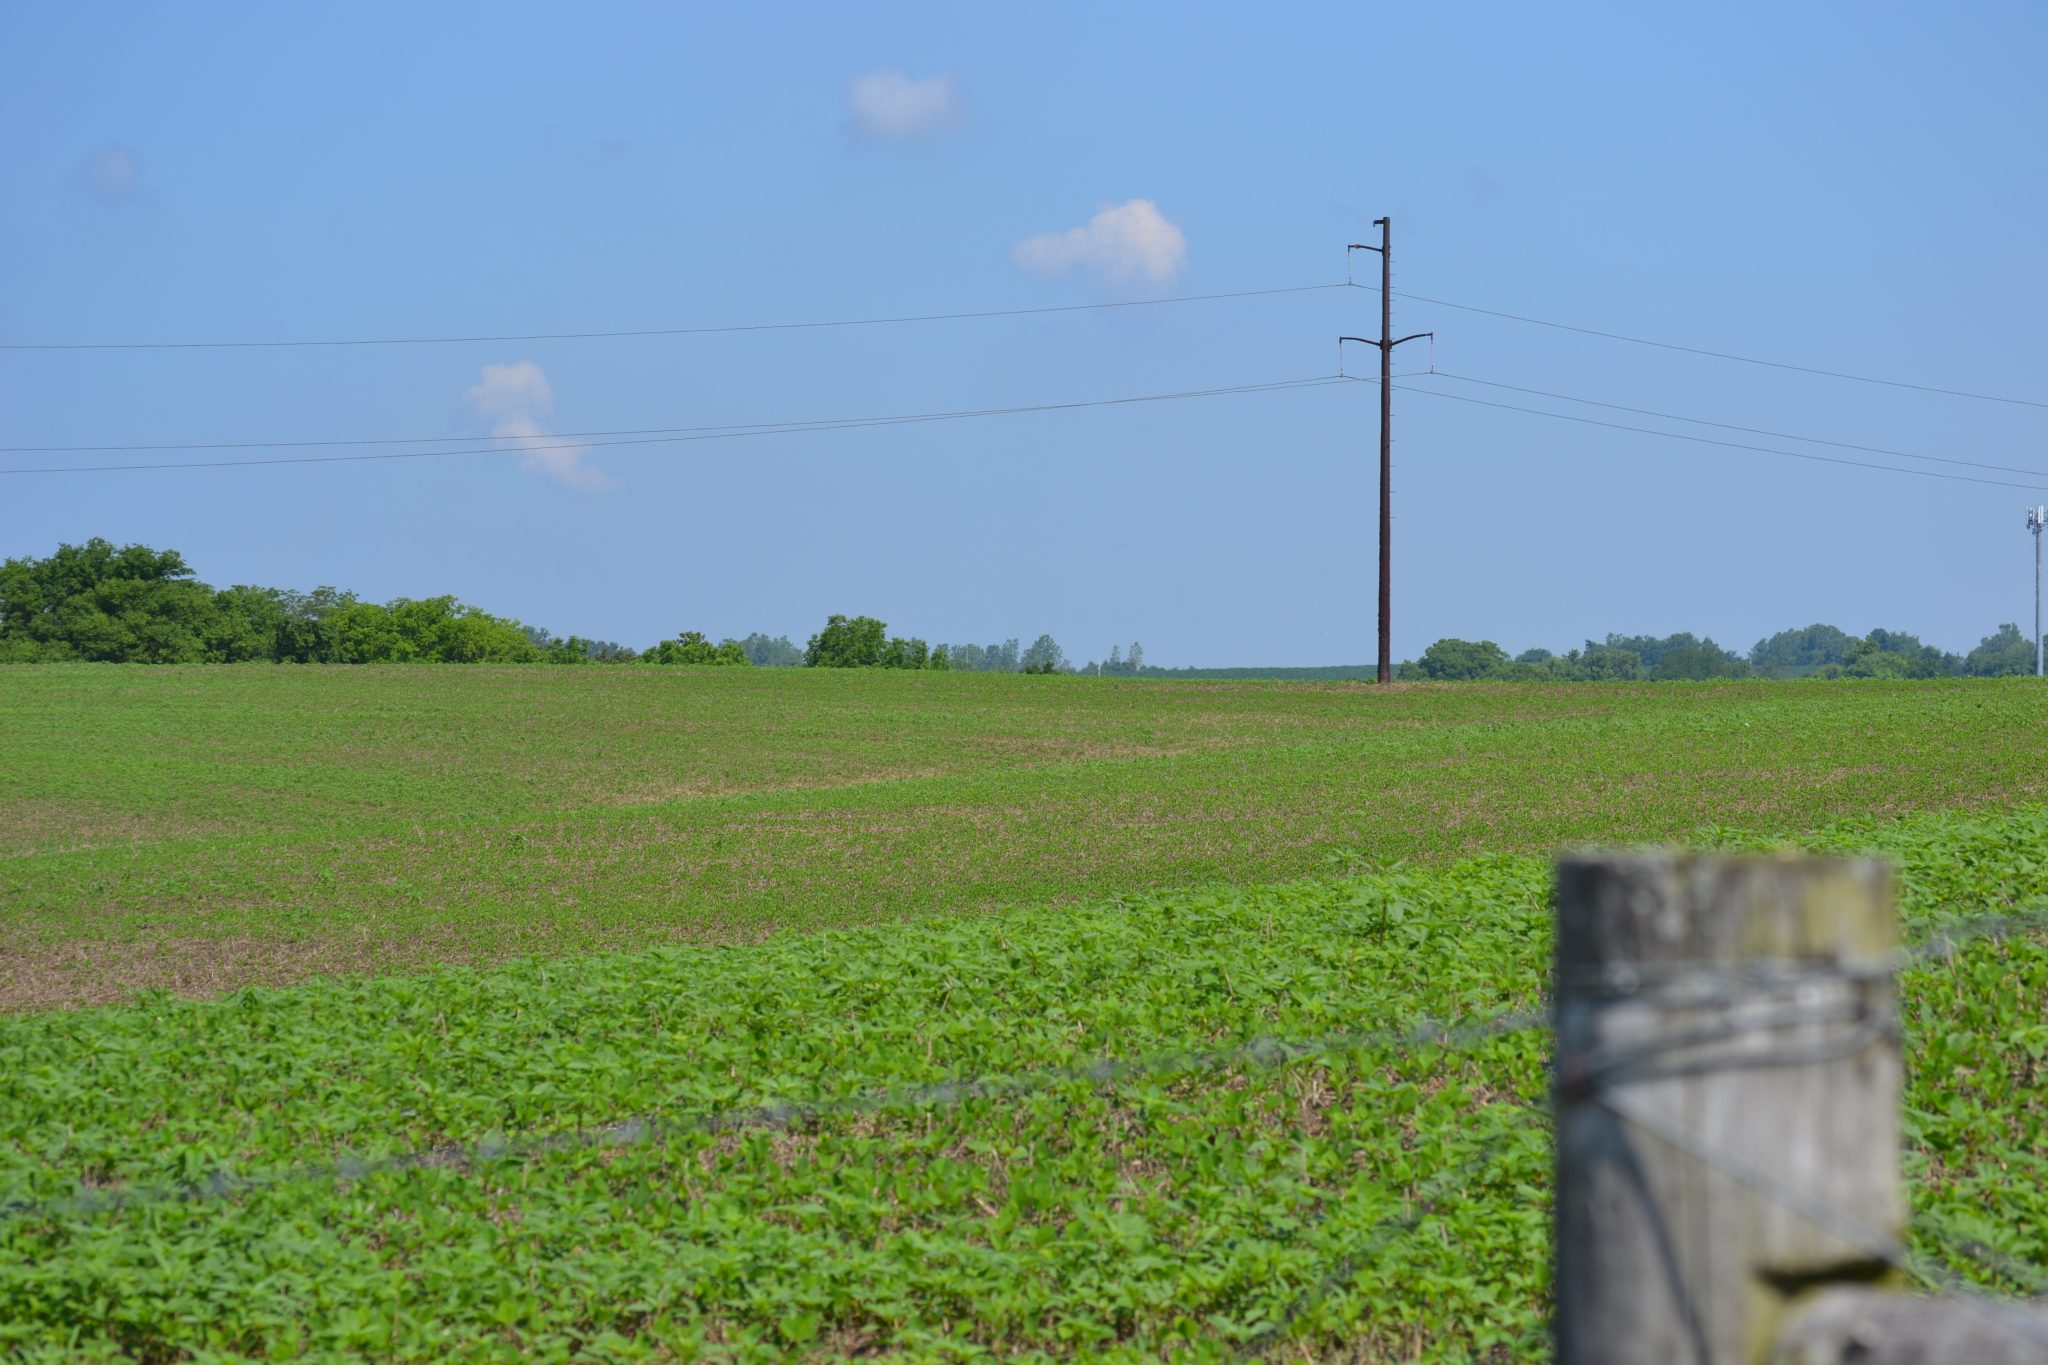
(1730, 426)
(1711, 441)
(1716, 355)
(688, 434)
(656, 331)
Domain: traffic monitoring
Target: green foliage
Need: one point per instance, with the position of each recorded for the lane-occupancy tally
(695, 648)
(996, 658)
(95, 603)
(847, 642)
(99, 604)
(1045, 656)
(1179, 1209)
(2007, 653)
(1460, 660)
(778, 652)
(576, 650)
(1797, 653)
(864, 642)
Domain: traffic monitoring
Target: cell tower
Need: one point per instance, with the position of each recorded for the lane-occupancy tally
(2037, 519)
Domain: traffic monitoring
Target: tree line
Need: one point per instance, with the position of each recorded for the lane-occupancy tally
(1817, 651)
(133, 604)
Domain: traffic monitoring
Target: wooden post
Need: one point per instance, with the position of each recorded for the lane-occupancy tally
(1740, 1012)
(1864, 1327)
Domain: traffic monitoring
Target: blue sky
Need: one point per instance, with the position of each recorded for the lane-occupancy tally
(1850, 187)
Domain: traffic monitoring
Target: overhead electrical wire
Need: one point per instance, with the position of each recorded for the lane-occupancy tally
(1713, 441)
(1715, 355)
(681, 435)
(1731, 426)
(657, 331)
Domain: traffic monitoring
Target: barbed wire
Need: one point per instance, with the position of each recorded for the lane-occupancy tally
(2027, 1275)
(1817, 1212)
(1261, 1052)
(1949, 938)
(1381, 1234)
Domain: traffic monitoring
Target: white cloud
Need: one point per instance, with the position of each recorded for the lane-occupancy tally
(1125, 241)
(515, 399)
(113, 171)
(889, 105)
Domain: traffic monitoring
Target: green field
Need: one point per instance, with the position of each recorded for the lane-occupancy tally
(204, 828)
(1217, 1125)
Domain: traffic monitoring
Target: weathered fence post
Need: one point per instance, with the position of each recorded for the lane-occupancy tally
(1727, 1107)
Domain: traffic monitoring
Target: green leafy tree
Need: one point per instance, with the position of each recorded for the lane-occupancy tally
(940, 661)
(98, 603)
(901, 653)
(2003, 654)
(308, 633)
(779, 652)
(1045, 656)
(1698, 659)
(1604, 663)
(1897, 654)
(1799, 653)
(251, 624)
(694, 648)
(1453, 660)
(847, 642)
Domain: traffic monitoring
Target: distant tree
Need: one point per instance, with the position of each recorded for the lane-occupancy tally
(1135, 660)
(94, 602)
(2003, 654)
(847, 642)
(1534, 656)
(901, 653)
(1452, 660)
(308, 633)
(995, 658)
(1690, 656)
(1115, 662)
(779, 652)
(1604, 663)
(1897, 654)
(1045, 656)
(1797, 653)
(251, 624)
(694, 648)
(940, 661)
(1698, 659)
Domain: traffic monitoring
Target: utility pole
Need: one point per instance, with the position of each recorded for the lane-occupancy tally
(2037, 518)
(1386, 343)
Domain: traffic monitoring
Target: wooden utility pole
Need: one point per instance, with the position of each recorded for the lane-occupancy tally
(1386, 344)
(1727, 1109)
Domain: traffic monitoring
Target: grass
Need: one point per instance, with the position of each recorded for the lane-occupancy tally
(1366, 1201)
(206, 828)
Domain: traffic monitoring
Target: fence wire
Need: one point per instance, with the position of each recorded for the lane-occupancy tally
(1259, 1053)
(1377, 1238)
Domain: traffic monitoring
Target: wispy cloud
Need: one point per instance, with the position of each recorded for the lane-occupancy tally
(515, 399)
(113, 173)
(1132, 240)
(888, 106)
